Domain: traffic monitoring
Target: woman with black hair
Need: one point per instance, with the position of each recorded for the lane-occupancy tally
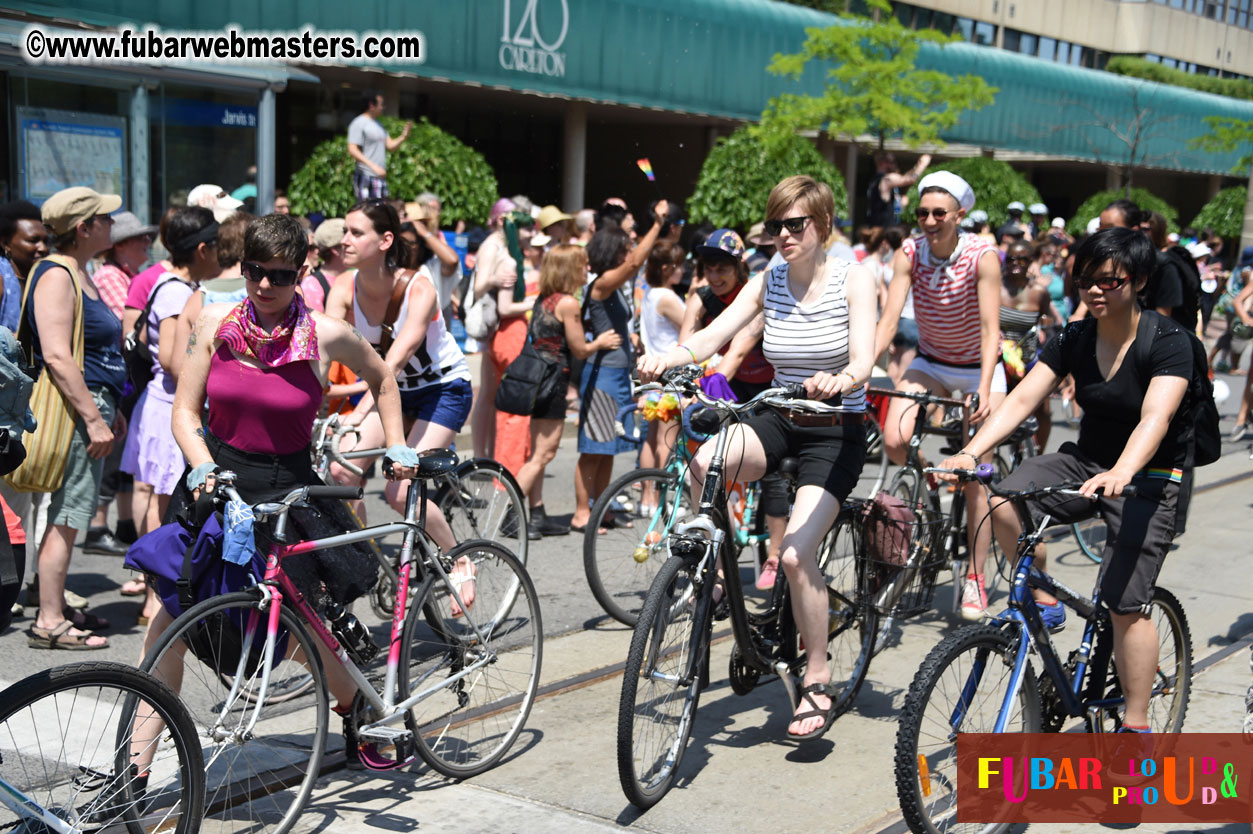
(433, 377)
(1131, 369)
(23, 240)
(605, 386)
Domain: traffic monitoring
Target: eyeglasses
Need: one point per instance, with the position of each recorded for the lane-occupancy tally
(938, 214)
(795, 225)
(1107, 283)
(278, 277)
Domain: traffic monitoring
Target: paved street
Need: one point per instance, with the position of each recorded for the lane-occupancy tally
(738, 774)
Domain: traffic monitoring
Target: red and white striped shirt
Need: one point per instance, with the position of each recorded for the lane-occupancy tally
(946, 300)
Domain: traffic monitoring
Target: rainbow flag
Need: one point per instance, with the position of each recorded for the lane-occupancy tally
(647, 168)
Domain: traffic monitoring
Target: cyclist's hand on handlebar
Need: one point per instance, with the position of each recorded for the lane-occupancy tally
(1110, 484)
(400, 462)
(824, 386)
(980, 406)
(961, 460)
(202, 479)
(650, 368)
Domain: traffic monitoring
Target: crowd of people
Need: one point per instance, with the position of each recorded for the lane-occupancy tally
(372, 316)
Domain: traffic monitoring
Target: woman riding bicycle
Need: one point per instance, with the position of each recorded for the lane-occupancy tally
(819, 330)
(1131, 370)
(433, 376)
(1024, 312)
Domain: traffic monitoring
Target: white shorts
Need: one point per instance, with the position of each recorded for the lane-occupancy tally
(953, 378)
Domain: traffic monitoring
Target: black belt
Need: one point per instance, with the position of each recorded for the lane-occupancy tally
(808, 419)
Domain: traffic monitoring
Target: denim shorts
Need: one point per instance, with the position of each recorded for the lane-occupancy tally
(446, 404)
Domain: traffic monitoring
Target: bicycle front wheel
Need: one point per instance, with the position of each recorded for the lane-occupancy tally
(853, 621)
(481, 500)
(66, 738)
(478, 669)
(959, 688)
(261, 756)
(876, 467)
(1172, 683)
(662, 681)
(621, 564)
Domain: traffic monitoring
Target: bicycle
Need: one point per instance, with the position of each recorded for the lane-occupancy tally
(65, 754)
(460, 678)
(980, 678)
(668, 662)
(479, 498)
(621, 564)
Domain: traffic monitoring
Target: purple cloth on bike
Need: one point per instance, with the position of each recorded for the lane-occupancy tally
(715, 385)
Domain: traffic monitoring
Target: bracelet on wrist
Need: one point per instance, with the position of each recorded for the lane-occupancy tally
(690, 353)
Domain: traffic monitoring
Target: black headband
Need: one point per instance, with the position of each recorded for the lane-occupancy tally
(205, 235)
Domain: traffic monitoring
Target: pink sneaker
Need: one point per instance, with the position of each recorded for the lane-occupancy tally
(974, 598)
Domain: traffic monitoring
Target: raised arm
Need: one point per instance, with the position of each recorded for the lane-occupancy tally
(620, 274)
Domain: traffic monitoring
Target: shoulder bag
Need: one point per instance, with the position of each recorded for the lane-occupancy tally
(135, 347)
(49, 446)
(524, 379)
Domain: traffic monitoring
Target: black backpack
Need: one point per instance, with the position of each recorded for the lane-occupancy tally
(1189, 275)
(1200, 412)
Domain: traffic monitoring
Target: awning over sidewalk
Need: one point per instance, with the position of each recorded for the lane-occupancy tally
(709, 57)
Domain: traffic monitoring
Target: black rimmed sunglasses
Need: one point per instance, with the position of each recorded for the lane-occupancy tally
(795, 225)
(938, 214)
(1107, 283)
(278, 277)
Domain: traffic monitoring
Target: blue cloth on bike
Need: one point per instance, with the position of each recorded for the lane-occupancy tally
(238, 544)
(162, 553)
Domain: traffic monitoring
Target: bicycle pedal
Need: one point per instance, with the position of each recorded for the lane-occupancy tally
(385, 748)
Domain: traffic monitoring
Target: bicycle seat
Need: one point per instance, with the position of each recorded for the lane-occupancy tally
(789, 467)
(435, 462)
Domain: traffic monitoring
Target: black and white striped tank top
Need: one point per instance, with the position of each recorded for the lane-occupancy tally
(801, 340)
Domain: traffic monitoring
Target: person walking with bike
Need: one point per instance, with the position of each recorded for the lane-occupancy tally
(956, 283)
(1132, 369)
(396, 311)
(819, 331)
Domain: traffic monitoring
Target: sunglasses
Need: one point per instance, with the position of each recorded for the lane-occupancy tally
(1107, 283)
(938, 214)
(795, 225)
(278, 277)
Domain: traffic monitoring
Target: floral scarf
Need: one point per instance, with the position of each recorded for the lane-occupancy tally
(295, 338)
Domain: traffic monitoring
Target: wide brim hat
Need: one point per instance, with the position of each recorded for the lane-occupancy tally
(126, 226)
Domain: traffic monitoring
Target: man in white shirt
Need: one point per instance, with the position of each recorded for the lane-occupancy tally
(368, 143)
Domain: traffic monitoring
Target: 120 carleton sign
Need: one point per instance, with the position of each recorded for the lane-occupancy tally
(522, 44)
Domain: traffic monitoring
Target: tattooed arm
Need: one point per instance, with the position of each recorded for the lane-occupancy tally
(183, 343)
(189, 398)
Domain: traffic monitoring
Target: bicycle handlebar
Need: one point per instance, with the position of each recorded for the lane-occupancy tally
(985, 472)
(787, 396)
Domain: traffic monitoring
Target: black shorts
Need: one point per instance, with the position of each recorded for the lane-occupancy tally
(829, 456)
(1140, 529)
(550, 404)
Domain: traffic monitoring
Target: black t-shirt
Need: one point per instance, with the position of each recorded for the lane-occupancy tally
(1166, 288)
(1111, 410)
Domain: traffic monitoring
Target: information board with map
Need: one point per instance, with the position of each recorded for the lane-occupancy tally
(60, 149)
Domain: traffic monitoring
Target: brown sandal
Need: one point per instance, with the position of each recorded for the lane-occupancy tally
(60, 638)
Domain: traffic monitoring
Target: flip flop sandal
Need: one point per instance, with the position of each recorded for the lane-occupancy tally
(138, 586)
(60, 638)
(457, 579)
(827, 714)
(83, 620)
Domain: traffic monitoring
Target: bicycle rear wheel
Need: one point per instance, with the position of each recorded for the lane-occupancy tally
(1090, 536)
(481, 500)
(621, 564)
(959, 688)
(661, 684)
(853, 621)
(1172, 685)
(480, 669)
(65, 743)
(258, 776)
(876, 468)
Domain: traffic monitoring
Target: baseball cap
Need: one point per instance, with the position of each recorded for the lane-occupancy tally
(978, 216)
(1015, 206)
(1200, 250)
(71, 206)
(329, 233)
(549, 215)
(1038, 208)
(1058, 223)
(126, 226)
(722, 242)
(214, 198)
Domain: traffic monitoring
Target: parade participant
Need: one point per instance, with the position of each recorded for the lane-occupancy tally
(956, 283)
(1025, 307)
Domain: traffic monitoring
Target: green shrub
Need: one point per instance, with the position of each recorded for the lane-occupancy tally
(429, 160)
(740, 171)
(1145, 199)
(1225, 213)
(1150, 71)
(995, 184)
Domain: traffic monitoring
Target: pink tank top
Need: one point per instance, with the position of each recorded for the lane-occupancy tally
(262, 410)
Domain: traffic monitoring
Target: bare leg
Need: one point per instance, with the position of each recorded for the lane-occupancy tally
(586, 471)
(483, 414)
(1135, 656)
(426, 436)
(545, 438)
(54, 565)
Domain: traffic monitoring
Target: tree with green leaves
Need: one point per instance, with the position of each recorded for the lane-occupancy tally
(1224, 213)
(995, 183)
(739, 172)
(1142, 197)
(1228, 134)
(873, 85)
(431, 160)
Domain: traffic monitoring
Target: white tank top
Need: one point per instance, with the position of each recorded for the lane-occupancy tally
(437, 360)
(800, 340)
(658, 333)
